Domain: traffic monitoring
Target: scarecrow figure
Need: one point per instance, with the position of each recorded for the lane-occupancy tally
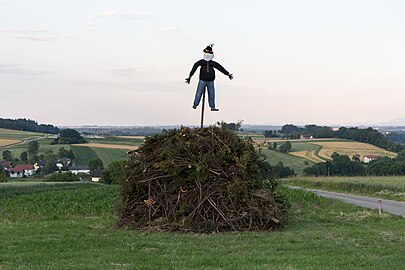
(207, 77)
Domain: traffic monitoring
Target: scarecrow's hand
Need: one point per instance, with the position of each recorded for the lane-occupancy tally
(188, 81)
(230, 76)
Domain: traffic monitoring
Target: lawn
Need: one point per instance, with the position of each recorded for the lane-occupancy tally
(388, 187)
(74, 229)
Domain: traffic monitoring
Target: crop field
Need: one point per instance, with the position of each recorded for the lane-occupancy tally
(74, 229)
(5, 142)
(17, 188)
(108, 146)
(108, 155)
(389, 187)
(350, 149)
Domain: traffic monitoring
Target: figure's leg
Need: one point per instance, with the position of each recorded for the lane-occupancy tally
(211, 94)
(198, 93)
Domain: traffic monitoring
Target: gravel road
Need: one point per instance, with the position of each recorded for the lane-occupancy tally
(393, 207)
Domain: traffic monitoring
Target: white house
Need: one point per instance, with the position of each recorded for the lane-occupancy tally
(79, 169)
(369, 158)
(22, 170)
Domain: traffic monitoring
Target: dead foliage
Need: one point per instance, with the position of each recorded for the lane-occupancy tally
(199, 180)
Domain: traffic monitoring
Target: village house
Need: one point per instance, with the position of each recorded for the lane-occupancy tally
(79, 169)
(306, 137)
(22, 170)
(6, 165)
(369, 158)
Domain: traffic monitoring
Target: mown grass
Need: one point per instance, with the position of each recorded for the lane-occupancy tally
(17, 134)
(73, 229)
(388, 187)
(118, 141)
(108, 155)
(297, 163)
(83, 155)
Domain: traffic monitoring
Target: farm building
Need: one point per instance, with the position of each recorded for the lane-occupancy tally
(6, 165)
(95, 175)
(22, 170)
(79, 169)
(306, 137)
(369, 158)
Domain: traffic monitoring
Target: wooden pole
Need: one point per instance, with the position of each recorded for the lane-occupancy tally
(202, 110)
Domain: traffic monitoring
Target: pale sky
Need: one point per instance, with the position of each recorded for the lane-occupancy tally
(117, 62)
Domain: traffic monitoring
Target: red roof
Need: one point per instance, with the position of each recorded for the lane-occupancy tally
(6, 164)
(22, 167)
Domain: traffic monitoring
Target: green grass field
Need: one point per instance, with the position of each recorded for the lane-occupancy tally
(297, 163)
(389, 187)
(118, 141)
(83, 155)
(109, 155)
(74, 229)
(18, 135)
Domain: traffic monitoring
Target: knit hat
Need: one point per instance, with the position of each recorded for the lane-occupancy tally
(208, 49)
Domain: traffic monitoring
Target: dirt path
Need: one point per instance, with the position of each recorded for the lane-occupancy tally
(393, 207)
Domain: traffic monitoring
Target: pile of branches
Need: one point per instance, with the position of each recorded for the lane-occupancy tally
(199, 180)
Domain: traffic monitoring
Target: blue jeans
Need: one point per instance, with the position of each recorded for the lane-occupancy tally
(200, 90)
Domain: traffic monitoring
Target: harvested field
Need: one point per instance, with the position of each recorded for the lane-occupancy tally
(5, 142)
(308, 154)
(109, 146)
(350, 149)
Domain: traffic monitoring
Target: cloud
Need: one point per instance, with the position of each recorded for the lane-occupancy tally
(16, 70)
(128, 72)
(22, 30)
(122, 14)
(33, 38)
(168, 30)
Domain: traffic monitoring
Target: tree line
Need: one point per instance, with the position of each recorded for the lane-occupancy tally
(27, 125)
(366, 135)
(343, 165)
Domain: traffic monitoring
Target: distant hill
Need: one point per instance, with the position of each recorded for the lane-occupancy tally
(27, 125)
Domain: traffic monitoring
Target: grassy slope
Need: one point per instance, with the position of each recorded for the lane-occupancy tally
(110, 155)
(83, 155)
(17, 134)
(389, 187)
(297, 163)
(73, 229)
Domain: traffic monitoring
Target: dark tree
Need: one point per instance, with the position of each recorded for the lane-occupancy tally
(24, 156)
(115, 173)
(69, 136)
(96, 164)
(33, 147)
(7, 156)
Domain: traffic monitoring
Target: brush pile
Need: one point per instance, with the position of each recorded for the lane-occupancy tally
(199, 180)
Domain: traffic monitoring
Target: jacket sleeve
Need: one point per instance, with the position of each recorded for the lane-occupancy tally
(195, 66)
(220, 68)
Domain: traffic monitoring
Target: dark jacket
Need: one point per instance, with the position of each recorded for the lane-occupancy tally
(207, 72)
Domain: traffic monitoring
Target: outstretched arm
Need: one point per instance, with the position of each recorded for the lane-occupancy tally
(222, 69)
(195, 66)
